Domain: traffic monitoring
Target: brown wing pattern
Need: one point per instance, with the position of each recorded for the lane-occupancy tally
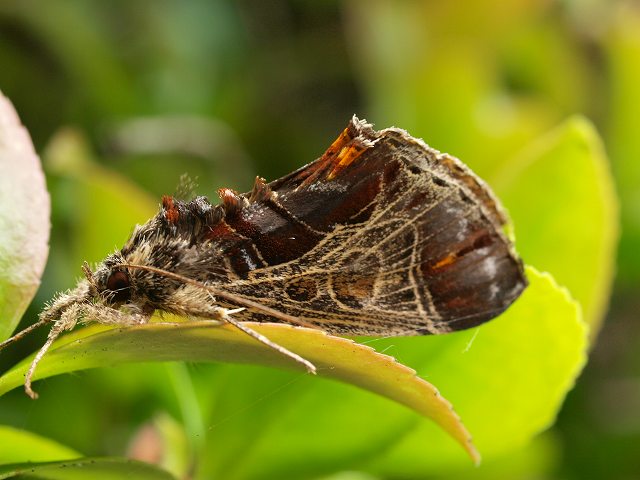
(381, 235)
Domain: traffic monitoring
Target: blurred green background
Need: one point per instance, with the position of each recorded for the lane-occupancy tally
(122, 97)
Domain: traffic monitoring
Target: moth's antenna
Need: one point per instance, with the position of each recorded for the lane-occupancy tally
(245, 302)
(23, 333)
(86, 269)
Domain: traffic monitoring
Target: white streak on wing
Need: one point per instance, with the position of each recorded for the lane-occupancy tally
(490, 267)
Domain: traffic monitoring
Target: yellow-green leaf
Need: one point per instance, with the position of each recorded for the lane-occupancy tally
(20, 446)
(561, 198)
(85, 468)
(335, 357)
(507, 378)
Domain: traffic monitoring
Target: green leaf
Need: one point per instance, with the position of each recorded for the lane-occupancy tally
(508, 376)
(24, 219)
(507, 379)
(93, 468)
(622, 46)
(561, 198)
(19, 446)
(335, 357)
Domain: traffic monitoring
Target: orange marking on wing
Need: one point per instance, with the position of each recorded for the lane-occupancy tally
(346, 157)
(338, 144)
(329, 157)
(448, 260)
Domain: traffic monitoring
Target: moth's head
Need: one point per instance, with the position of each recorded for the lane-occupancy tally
(166, 244)
(111, 284)
(113, 288)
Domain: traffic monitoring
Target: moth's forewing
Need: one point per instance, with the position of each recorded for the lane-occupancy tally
(382, 235)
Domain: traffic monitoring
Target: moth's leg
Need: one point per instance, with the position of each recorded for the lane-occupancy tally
(224, 315)
(196, 302)
(69, 318)
(67, 321)
(111, 316)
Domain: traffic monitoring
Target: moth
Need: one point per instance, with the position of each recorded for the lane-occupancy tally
(382, 235)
